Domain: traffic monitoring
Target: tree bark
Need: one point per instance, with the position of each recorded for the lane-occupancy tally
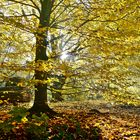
(57, 85)
(40, 102)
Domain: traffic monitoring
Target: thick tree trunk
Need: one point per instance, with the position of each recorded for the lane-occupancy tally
(40, 102)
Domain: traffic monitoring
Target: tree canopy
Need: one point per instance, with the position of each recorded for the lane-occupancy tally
(101, 40)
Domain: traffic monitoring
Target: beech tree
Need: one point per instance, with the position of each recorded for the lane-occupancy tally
(95, 31)
(39, 18)
(109, 63)
(111, 59)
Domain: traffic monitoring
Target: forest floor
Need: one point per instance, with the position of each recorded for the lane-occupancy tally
(115, 121)
(87, 120)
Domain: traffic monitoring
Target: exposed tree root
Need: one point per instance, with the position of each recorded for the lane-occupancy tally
(42, 108)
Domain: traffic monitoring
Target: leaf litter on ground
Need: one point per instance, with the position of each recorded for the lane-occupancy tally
(90, 120)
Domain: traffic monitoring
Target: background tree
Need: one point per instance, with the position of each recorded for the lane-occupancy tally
(111, 56)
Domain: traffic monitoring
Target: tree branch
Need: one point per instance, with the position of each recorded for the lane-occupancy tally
(20, 16)
(15, 1)
(57, 5)
(35, 6)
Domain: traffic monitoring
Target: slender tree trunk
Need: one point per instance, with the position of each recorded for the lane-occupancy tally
(40, 102)
(58, 85)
